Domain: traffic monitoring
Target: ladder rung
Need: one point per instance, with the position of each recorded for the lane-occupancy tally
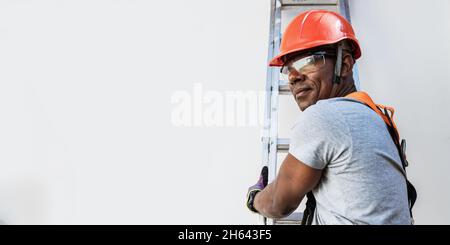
(293, 219)
(308, 2)
(288, 222)
(283, 145)
(284, 89)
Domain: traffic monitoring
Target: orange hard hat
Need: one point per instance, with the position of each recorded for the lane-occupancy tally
(315, 28)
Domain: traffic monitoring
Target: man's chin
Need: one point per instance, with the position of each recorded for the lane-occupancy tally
(303, 105)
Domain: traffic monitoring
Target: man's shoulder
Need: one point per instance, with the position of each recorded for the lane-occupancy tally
(335, 103)
(329, 107)
(334, 107)
(323, 113)
(331, 112)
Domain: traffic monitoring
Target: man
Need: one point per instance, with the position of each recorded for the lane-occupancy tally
(340, 149)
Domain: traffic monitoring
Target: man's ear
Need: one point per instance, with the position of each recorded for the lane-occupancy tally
(347, 65)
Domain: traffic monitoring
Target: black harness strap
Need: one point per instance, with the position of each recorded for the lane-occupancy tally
(308, 214)
(412, 193)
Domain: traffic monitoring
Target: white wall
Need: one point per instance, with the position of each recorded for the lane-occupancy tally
(86, 102)
(85, 131)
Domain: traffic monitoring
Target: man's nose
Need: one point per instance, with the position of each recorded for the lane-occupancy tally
(296, 77)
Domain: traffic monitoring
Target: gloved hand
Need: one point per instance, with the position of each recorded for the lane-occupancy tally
(254, 189)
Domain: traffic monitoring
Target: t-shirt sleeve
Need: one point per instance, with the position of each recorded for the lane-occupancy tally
(319, 137)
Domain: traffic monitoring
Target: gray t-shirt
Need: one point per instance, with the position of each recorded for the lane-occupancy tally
(351, 144)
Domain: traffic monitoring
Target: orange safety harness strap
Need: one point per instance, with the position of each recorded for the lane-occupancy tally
(363, 97)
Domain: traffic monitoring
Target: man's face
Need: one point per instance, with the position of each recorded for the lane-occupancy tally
(310, 82)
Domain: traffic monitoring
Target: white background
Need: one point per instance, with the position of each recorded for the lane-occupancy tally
(85, 106)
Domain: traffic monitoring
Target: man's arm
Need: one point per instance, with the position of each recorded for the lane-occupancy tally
(282, 196)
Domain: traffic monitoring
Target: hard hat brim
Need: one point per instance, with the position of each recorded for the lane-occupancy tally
(278, 60)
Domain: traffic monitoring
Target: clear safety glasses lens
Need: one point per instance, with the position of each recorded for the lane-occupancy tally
(305, 64)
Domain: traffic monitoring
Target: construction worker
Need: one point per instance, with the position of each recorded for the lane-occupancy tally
(343, 152)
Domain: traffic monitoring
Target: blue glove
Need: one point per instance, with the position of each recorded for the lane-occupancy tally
(254, 189)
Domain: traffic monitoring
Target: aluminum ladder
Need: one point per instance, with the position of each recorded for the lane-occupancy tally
(281, 13)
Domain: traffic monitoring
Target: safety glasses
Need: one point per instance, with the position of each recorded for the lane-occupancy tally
(306, 64)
